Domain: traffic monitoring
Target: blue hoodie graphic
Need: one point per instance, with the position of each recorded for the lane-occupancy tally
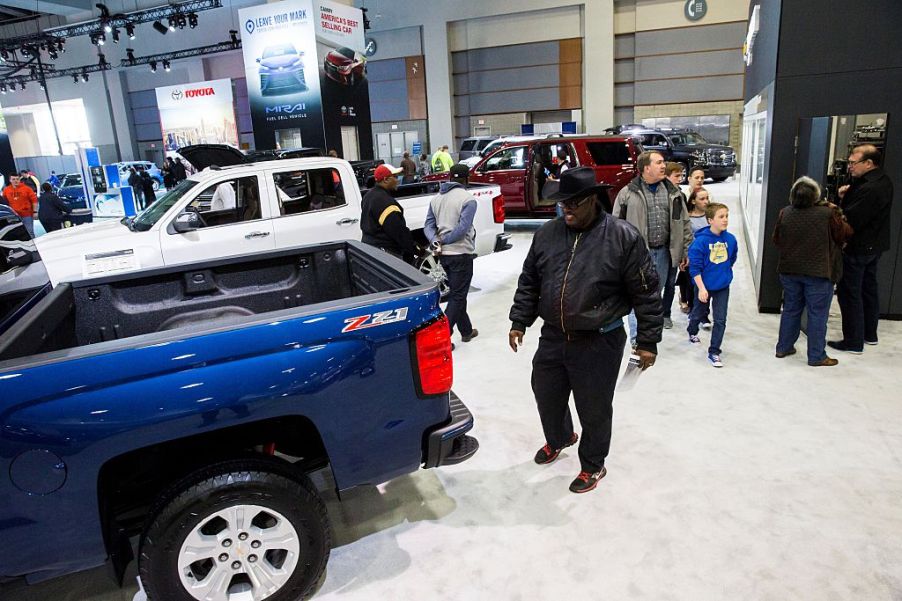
(713, 256)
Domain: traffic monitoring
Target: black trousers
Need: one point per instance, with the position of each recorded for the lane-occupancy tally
(859, 299)
(588, 367)
(459, 269)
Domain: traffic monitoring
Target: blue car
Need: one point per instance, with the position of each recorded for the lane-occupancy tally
(155, 174)
(281, 70)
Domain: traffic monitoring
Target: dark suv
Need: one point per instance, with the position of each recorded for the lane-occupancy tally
(690, 149)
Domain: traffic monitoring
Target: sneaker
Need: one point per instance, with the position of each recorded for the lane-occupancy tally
(546, 454)
(684, 307)
(871, 342)
(840, 345)
(791, 351)
(825, 362)
(706, 325)
(587, 481)
(472, 335)
(715, 360)
(694, 339)
(668, 323)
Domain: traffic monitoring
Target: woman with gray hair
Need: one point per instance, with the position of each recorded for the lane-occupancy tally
(809, 233)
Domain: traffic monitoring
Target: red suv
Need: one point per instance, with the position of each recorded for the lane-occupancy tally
(523, 168)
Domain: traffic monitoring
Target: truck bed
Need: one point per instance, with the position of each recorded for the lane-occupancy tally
(198, 297)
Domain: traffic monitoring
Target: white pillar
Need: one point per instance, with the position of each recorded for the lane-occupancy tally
(598, 65)
(439, 100)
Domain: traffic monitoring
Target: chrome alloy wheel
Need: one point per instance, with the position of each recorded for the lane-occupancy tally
(243, 552)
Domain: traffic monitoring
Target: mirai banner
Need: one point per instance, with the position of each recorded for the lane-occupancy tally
(197, 113)
(279, 46)
(306, 76)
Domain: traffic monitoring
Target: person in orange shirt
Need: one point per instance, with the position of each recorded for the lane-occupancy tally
(22, 200)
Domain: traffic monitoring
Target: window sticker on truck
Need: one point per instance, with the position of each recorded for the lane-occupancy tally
(119, 260)
(375, 319)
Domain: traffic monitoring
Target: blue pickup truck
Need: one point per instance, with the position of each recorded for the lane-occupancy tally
(187, 406)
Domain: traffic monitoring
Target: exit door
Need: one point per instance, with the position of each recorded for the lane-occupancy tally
(349, 143)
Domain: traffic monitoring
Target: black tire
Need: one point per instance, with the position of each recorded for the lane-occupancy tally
(272, 491)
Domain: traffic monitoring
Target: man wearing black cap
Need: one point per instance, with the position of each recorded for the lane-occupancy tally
(583, 273)
(382, 218)
(449, 228)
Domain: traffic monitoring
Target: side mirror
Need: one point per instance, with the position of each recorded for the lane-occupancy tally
(187, 222)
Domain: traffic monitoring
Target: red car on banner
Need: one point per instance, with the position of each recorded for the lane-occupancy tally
(345, 66)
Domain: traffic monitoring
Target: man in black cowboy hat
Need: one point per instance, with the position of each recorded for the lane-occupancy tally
(584, 271)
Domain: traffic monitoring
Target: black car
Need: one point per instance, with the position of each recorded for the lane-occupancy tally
(690, 149)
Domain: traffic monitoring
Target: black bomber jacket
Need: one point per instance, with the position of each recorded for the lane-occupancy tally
(581, 281)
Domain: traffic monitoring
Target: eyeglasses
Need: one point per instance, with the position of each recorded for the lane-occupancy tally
(851, 162)
(574, 204)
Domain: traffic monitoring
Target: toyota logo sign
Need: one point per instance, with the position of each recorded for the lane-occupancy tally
(176, 94)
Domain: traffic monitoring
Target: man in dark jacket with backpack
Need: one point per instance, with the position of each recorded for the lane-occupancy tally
(583, 273)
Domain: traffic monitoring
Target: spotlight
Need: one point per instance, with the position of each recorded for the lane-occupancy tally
(153, 66)
(75, 79)
(166, 66)
(84, 76)
(130, 30)
(233, 33)
(160, 27)
(172, 23)
(4, 54)
(115, 36)
(61, 46)
(130, 54)
(24, 51)
(41, 85)
(101, 39)
(2, 88)
(22, 85)
(192, 20)
(182, 22)
(52, 52)
(107, 27)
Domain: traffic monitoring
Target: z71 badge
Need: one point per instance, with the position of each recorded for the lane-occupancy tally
(375, 319)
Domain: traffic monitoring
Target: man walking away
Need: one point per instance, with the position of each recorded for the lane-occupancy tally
(583, 273)
(408, 169)
(134, 180)
(382, 218)
(867, 206)
(449, 227)
(22, 200)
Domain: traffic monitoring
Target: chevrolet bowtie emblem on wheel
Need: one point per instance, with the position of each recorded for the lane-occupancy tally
(375, 319)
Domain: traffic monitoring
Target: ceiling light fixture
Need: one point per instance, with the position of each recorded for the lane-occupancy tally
(166, 66)
(192, 20)
(115, 36)
(153, 66)
(130, 30)
(160, 27)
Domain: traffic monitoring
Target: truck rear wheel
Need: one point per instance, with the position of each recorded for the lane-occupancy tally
(237, 530)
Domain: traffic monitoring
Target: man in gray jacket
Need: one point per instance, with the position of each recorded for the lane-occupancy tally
(655, 206)
(449, 227)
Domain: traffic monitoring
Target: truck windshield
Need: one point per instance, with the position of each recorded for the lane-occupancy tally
(145, 220)
(688, 138)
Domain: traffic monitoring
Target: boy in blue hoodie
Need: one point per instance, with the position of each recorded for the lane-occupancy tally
(711, 258)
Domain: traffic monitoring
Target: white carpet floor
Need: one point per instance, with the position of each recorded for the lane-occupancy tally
(764, 480)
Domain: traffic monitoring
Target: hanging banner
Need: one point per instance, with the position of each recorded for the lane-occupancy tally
(345, 90)
(197, 113)
(279, 46)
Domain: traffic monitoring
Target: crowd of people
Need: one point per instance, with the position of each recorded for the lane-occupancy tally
(587, 269)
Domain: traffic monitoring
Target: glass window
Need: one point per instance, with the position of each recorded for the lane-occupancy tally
(146, 219)
(308, 190)
(482, 144)
(231, 201)
(468, 145)
(609, 153)
(509, 158)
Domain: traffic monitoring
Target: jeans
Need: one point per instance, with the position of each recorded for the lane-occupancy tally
(588, 367)
(459, 269)
(28, 222)
(718, 301)
(811, 294)
(669, 290)
(661, 258)
(859, 299)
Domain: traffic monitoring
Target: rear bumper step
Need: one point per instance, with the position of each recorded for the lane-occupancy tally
(449, 444)
(502, 242)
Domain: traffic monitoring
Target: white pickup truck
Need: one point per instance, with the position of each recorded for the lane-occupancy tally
(245, 209)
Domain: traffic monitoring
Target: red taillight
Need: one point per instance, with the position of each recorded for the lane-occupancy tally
(434, 365)
(498, 209)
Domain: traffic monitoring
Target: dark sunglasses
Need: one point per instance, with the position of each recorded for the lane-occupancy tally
(575, 204)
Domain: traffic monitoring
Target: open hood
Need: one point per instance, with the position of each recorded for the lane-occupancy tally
(207, 155)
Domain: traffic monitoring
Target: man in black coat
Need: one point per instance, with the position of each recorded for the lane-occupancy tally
(583, 273)
(382, 218)
(866, 203)
(134, 180)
